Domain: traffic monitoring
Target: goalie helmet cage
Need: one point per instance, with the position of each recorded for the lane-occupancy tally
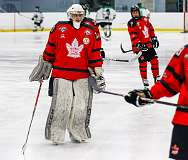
(185, 13)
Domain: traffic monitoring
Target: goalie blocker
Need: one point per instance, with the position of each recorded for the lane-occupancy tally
(41, 71)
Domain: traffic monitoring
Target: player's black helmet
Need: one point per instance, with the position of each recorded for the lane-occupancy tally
(37, 8)
(135, 8)
(140, 5)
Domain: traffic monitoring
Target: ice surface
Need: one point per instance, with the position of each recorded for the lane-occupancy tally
(119, 130)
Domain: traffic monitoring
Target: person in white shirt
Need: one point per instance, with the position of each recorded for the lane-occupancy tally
(37, 19)
(104, 18)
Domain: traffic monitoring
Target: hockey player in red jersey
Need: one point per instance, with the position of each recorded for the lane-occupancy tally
(143, 39)
(173, 81)
(71, 49)
(90, 23)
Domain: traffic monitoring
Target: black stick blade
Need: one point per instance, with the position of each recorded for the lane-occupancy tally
(123, 51)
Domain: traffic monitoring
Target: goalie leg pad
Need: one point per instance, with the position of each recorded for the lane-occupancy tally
(41, 71)
(59, 114)
(78, 126)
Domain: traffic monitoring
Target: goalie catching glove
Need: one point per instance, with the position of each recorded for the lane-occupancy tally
(135, 97)
(41, 71)
(96, 80)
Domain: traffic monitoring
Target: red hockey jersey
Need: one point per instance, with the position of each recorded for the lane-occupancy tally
(92, 22)
(173, 81)
(71, 51)
(140, 30)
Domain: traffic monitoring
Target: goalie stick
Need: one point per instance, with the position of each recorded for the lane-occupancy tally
(94, 86)
(36, 101)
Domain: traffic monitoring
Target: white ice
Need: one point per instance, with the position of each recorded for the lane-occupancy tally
(119, 130)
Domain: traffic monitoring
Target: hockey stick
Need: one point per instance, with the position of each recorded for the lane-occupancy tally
(123, 51)
(93, 84)
(36, 101)
(113, 93)
(125, 60)
(150, 100)
(23, 15)
(165, 103)
(119, 60)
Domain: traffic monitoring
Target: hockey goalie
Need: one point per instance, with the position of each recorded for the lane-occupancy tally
(71, 50)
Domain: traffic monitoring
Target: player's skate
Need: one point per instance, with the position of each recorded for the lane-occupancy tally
(42, 28)
(35, 29)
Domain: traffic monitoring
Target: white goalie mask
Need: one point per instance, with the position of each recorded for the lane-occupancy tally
(76, 13)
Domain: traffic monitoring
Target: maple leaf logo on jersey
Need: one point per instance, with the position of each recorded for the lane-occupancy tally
(73, 49)
(145, 32)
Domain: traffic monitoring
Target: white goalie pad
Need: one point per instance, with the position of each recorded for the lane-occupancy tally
(70, 110)
(41, 71)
